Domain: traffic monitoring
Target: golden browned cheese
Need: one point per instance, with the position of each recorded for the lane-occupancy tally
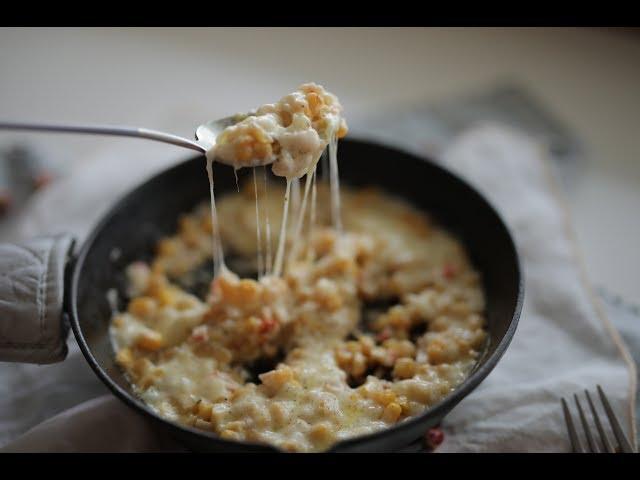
(364, 329)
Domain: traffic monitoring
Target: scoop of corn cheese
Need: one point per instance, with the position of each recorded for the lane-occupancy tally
(290, 135)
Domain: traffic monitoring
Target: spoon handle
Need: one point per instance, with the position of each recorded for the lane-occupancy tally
(107, 130)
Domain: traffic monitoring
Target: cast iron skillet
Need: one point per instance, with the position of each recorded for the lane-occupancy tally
(136, 222)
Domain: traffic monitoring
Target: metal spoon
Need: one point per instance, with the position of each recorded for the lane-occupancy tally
(205, 134)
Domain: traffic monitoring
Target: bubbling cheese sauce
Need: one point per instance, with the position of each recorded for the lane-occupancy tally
(374, 314)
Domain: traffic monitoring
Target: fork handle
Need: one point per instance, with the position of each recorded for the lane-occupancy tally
(107, 130)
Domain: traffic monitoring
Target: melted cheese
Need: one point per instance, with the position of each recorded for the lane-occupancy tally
(261, 270)
(218, 253)
(277, 269)
(190, 358)
(335, 184)
(290, 135)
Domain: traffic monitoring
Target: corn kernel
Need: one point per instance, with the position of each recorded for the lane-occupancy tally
(314, 102)
(290, 446)
(206, 224)
(157, 282)
(248, 291)
(204, 409)
(142, 306)
(124, 357)
(276, 379)
(167, 246)
(278, 415)
(404, 368)
(359, 365)
(321, 433)
(392, 412)
(243, 152)
(184, 304)
(383, 397)
(203, 424)
(141, 366)
(286, 118)
(166, 297)
(230, 435)
(236, 426)
(191, 238)
(158, 267)
(437, 352)
(222, 355)
(262, 150)
(149, 341)
(260, 136)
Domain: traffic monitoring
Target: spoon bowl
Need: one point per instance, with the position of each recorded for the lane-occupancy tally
(207, 133)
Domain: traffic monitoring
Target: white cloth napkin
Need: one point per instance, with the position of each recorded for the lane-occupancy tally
(563, 344)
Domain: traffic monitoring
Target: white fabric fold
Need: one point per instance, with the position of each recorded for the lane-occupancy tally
(564, 343)
(103, 425)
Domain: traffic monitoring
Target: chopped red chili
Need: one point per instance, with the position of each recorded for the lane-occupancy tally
(384, 335)
(268, 324)
(449, 270)
(200, 334)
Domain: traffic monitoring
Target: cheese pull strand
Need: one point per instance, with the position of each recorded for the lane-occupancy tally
(303, 207)
(260, 266)
(268, 261)
(335, 184)
(277, 270)
(218, 254)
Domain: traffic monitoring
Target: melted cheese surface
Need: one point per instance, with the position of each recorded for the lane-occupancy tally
(363, 329)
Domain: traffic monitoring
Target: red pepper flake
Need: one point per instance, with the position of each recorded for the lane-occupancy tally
(268, 324)
(200, 334)
(434, 437)
(384, 335)
(449, 270)
(391, 359)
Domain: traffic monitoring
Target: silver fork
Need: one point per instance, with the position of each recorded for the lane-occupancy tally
(624, 445)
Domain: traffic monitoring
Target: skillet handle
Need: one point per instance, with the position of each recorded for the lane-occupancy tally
(33, 327)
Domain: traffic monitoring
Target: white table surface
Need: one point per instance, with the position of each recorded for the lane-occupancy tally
(589, 78)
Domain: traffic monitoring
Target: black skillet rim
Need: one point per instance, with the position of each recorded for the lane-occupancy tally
(438, 410)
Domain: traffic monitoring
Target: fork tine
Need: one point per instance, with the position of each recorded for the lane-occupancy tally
(608, 448)
(587, 430)
(625, 445)
(573, 435)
